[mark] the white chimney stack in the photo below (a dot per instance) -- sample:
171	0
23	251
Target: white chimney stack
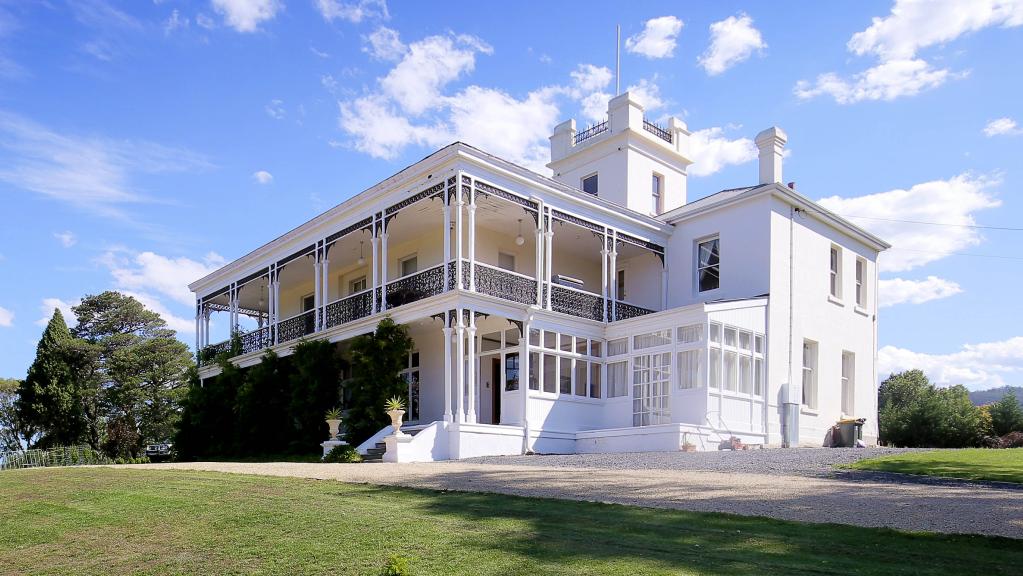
771	143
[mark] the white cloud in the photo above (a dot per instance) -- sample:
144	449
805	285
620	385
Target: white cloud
149	273
318	53
712	151
67	238
384	44
886	81
50	304
658	38
732	41
588	86
898	290
263	177
431	64
896	39
1002	127
647	93
953	201
353	12
275	109
175	22
204	21
247	15
913	25
91	173
976	366
6	317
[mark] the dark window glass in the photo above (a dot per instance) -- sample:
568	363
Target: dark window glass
709	265
511	372
590	184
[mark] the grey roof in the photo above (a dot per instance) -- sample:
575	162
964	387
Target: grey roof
708	200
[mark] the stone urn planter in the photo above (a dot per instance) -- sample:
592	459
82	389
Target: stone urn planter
396	410
333	419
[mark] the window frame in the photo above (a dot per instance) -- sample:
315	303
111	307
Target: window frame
657	193
405	259
810	401
596	183
354	281
848	383
699	267
861	282
835	271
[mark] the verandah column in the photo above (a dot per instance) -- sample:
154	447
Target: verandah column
614	275
471	332
524	381
472	243
539	254
447	247
317	297
603	274
460	375
549	246
325	290
383	268
459	202
375	245
447	368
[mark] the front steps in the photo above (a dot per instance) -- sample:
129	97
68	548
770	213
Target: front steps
376	453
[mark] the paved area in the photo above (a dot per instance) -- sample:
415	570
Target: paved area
818	462
962	508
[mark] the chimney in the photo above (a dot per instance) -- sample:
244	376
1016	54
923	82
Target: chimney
562	140
771	142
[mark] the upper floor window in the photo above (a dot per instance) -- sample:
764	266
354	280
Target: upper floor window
620	287
836	271
357	285
409	265
861	286
809	374
308	302
590	184
506	261
656	205
708	264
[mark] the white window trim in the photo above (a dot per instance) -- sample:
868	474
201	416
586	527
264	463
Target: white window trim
587	177
658	197
835	275
860	284
696	263
406	258
814	381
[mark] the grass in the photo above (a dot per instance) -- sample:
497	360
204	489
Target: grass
116	521
969	464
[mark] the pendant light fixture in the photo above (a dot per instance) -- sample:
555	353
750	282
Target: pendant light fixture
519	240
362	259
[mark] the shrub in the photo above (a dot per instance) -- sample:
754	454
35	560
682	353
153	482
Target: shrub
344	454
397	566
1012	440
913	412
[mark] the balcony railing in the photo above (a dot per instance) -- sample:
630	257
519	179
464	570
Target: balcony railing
296	327
414	287
505	284
591	132
577	302
624	311
662	133
209	354
348	309
259	339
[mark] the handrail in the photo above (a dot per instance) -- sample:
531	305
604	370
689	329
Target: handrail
592	131
580	290
405	277
506	271
352	295
656	130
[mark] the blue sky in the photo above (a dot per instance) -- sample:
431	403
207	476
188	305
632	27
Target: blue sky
145	143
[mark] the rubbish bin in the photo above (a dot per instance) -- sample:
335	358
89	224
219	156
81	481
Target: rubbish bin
849	430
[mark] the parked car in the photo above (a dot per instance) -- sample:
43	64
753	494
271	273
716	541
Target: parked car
159	451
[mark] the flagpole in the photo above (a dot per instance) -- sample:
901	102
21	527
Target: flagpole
618	60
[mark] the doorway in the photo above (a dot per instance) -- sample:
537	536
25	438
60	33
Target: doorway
495	390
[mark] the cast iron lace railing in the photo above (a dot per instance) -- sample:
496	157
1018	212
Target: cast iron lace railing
591	132
348	309
414	287
259	339
209	353
296	327
505	284
577	302
656	130
624	310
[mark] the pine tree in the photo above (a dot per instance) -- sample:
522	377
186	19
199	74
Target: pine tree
50	397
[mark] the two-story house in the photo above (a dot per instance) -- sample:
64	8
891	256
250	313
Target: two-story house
591	311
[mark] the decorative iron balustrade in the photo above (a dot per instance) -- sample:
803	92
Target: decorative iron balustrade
504	284
591	131
209	354
349	309
296	327
414	287
656	130
624	311
577	303
255	340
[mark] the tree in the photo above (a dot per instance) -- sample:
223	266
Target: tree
377	360
315	384
137	366
50	398
263	423
13	436
912	412
1006	415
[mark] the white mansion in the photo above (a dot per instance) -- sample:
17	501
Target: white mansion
595	311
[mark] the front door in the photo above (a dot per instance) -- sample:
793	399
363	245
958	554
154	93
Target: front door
495	388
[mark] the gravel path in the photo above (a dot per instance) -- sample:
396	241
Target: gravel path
975	509
816	462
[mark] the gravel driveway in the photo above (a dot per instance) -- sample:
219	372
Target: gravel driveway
960	508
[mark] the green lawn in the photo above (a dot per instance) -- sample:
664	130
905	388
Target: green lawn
107	521
968	464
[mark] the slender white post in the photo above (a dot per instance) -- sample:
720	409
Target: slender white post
539	263
614	280
447	241
206	327
603	274
460	375
664	288
198	328
549	245
325	291
375	242
458	234
473	379
383	269
524	381
277	301
447	372
317	297
472	243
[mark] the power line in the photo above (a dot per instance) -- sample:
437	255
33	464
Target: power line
977	226
1000	257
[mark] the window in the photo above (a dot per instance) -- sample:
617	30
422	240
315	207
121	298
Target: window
745	374
506	261
582	368
550	369
690	334
511	371
534	370
565	376
708	265
620	285
651	377
731	371
715	368
308	302
411	377
736	360
656	207
690	369
409	265
590	184
617	347
490	342
617	379
659	338
758	376
809	374
357	285
861	287
594	380
836	271
848	382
